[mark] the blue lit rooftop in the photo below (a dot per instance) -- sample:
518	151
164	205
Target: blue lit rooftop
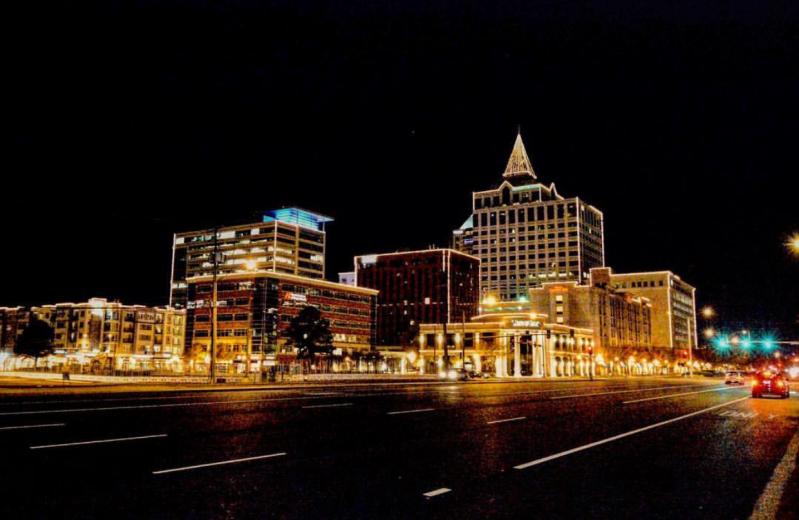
298	217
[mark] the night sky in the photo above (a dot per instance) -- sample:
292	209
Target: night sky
131	120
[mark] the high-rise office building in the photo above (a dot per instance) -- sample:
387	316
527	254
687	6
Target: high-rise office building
429	286
525	233
287	240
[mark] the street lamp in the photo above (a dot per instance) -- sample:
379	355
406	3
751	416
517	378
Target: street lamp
708	312
793	243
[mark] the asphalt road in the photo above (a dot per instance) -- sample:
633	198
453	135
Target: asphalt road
651	448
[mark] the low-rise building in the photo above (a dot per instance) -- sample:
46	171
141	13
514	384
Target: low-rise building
506	339
254	311
9	317
109	334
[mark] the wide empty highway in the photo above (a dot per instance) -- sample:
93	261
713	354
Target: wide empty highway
639	447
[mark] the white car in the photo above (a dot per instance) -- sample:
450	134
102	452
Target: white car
734	377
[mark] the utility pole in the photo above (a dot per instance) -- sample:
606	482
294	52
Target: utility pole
249	348
446	347
463	339
216	261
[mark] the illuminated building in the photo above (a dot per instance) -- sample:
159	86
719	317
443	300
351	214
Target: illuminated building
673	306
287	240
525	233
131	337
255	310
508	339
428	286
621	323
347	278
9	317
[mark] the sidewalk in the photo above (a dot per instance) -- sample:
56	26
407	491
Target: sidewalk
11	386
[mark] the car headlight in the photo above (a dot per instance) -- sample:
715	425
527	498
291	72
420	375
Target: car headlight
452	374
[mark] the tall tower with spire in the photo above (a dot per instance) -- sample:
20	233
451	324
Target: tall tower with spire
525	233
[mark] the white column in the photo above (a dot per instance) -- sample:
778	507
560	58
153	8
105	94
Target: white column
478	365
517	357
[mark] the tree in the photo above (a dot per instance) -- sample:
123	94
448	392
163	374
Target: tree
310	334
35	341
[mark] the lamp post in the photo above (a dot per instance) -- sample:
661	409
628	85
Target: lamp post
217	258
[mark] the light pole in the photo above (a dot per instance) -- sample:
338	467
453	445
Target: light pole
217	258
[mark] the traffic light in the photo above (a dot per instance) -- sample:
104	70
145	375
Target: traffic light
526	342
721	343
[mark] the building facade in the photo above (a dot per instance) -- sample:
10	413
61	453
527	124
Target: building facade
109	334
287	240
673	306
526	234
429	286
507	339
621	323
347	278
255	310
8	327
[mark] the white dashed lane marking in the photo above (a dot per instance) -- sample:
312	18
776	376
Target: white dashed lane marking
436	492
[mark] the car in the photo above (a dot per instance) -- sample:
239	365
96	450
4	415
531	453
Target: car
454	374
769	382
734	377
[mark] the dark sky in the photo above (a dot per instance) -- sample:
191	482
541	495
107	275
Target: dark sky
131	120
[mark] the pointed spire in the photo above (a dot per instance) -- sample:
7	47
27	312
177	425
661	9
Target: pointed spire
519	163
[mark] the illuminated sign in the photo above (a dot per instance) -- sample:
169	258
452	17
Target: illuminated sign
525	324
295	297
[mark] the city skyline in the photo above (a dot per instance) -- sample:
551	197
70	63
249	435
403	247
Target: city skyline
690	177
317	259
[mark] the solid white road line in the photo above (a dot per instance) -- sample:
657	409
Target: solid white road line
768	504
436	492
623	435
411	411
221	463
29	426
102	441
334	405
571	396
669	396
507	420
